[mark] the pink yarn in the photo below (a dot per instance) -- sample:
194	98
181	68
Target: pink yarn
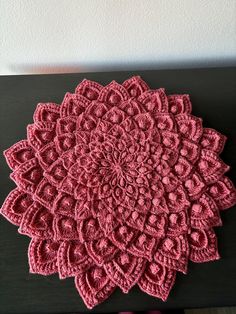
119	185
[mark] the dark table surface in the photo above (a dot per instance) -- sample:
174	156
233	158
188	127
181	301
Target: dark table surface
213	96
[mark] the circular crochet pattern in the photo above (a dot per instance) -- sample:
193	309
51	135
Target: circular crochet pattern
117	186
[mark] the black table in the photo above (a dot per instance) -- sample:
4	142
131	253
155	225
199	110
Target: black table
213	95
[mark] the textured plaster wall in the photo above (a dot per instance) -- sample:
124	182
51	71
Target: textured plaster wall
41	36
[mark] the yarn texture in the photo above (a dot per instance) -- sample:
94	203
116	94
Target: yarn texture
116	186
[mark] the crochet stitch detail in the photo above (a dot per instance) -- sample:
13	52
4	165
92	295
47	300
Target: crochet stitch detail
117	186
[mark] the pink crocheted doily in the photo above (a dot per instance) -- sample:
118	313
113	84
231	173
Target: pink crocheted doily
117	186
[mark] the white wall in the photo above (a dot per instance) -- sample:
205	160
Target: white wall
43	36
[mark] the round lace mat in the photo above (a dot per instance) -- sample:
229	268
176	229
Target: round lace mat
117	186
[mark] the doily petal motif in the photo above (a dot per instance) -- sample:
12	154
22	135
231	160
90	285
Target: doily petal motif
118	185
